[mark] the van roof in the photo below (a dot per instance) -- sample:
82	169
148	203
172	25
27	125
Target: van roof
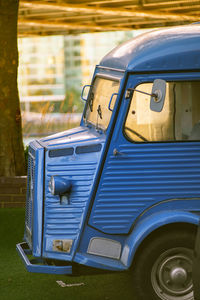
170	49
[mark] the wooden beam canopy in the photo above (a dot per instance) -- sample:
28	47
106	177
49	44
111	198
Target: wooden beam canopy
51	17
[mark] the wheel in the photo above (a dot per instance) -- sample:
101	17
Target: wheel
196	266
163	268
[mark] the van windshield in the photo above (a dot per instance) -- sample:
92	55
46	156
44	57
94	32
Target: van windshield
97	112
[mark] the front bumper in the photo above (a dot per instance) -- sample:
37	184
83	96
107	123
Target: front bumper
37	265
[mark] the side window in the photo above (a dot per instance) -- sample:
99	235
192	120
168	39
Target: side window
187	115
179	119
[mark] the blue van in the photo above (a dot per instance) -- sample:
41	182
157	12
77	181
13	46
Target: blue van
122	191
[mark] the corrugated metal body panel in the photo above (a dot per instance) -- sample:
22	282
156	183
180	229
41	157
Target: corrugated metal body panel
65	220
140	176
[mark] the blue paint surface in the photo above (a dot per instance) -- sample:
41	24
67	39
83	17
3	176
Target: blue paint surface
119	190
175	48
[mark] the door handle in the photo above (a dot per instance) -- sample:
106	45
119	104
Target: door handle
116	152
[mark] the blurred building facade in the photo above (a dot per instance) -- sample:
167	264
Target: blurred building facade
41	67
50	66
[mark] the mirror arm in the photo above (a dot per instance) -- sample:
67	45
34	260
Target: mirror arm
157	94
129	93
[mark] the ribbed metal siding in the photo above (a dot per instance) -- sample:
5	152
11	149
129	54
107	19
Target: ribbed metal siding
30	194
141	176
65	220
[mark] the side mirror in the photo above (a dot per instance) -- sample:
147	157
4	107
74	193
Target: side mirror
158	95
85	92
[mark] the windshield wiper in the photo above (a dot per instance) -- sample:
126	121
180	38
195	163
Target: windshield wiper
91	100
99	111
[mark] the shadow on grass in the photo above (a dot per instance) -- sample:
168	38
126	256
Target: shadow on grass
17	284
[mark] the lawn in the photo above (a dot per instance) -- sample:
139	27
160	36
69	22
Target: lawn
18	284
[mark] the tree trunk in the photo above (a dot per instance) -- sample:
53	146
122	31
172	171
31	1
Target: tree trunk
11	145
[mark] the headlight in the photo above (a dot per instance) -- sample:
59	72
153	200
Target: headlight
59	185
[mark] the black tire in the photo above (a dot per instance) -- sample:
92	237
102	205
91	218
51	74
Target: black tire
163	267
196	266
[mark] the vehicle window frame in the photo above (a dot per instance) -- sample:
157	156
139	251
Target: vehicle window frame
106	77
171	80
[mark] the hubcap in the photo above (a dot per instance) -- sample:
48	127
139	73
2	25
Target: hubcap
171	275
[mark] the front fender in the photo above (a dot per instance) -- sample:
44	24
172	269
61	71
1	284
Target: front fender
150	223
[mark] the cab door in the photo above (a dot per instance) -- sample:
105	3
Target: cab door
151	157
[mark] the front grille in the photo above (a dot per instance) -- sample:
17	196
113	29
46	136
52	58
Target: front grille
65	220
30	194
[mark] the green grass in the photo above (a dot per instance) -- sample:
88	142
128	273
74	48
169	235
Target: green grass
18	284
